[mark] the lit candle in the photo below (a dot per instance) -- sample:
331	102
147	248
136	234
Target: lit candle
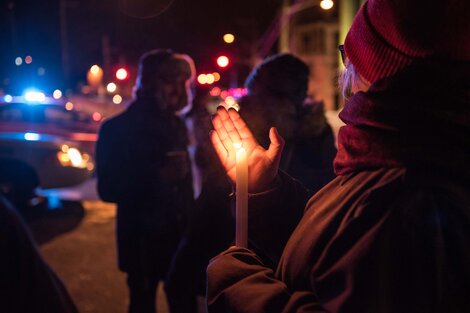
241	215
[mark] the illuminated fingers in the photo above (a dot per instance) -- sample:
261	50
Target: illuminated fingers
228	125
218	146
222	133
243	130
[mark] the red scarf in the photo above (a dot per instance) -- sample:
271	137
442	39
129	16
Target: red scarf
420	119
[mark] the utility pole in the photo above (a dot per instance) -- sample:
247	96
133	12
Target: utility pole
64	41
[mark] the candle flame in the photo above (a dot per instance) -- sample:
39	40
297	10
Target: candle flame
237	145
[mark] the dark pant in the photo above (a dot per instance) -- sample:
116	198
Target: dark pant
142	293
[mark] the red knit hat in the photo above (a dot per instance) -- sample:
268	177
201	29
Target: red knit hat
388	35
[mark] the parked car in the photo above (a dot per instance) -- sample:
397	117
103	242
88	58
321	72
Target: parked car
43	143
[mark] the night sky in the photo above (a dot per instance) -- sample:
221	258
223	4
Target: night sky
33	28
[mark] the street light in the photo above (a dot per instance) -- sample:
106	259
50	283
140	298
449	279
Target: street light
326	4
95	76
289	10
229	38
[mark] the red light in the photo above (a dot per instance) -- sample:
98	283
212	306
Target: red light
224	94
215	91
96	116
121	73
223	61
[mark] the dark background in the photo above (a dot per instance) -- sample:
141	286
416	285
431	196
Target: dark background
93	27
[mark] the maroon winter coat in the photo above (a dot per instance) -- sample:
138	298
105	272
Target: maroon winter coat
390	234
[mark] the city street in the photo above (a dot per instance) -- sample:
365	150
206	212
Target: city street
78	242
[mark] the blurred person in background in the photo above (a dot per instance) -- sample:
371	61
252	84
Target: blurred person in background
277	94
391	232
210	227
277	89
144	167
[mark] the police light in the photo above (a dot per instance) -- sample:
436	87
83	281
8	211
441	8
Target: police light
32	136
34	96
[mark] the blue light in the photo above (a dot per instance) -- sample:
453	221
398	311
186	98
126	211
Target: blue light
54	202
34	96
32	136
8	98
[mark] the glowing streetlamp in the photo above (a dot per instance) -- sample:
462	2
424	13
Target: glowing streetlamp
95	76
229	38
326	4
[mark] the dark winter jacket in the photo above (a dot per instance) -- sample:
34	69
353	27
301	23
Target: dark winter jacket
143	166
390	234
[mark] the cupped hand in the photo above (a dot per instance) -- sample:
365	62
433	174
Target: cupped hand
263	165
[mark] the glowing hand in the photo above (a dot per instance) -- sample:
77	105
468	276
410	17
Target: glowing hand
262	164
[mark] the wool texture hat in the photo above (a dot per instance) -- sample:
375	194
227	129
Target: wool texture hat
386	36
150	64
280	75
161	64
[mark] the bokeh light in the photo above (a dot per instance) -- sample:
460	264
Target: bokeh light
210	78
95	69
326	4
96	116
229	38
18	61
57	94
202	79
111	87
121	73
222	61
117	99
